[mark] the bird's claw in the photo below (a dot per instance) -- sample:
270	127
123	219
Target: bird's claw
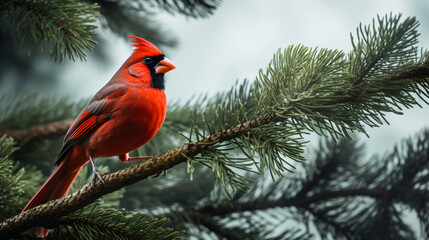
97	175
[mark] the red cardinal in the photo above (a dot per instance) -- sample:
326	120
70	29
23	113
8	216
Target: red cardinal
124	115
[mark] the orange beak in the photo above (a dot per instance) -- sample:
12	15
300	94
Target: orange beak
164	66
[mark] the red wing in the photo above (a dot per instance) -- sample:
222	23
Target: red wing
92	117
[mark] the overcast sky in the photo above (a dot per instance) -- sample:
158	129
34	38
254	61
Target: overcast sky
242	36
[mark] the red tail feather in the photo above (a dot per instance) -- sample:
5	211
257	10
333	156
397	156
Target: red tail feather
57	184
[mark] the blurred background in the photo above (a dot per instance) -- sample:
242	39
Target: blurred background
211	53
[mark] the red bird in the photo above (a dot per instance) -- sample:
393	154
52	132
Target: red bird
124	115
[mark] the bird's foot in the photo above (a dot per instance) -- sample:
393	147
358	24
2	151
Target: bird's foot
97	175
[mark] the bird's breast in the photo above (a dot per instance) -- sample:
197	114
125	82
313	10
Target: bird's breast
136	119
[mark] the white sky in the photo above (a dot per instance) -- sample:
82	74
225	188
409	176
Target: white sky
242	36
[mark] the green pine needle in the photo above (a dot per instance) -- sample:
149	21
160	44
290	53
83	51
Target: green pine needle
17	184
95	222
61	28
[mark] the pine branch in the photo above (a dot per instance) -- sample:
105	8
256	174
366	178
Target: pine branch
297	201
137	18
52	129
17	184
63	33
126	18
22	111
190	8
96	222
371	53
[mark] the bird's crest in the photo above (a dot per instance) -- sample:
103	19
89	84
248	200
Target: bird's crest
144	47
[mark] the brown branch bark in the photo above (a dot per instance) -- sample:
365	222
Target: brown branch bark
415	73
39	132
46	214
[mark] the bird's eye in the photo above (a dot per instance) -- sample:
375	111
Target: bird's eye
147	60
